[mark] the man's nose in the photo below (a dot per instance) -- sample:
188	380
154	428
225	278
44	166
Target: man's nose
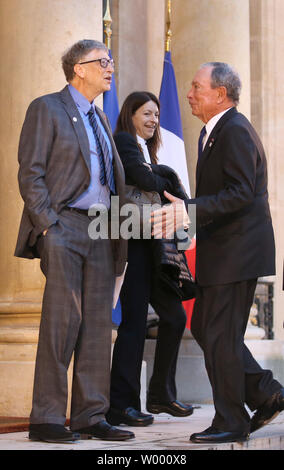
189	94
110	67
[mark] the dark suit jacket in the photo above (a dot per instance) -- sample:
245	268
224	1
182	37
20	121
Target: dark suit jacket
149	177
54	169
235	240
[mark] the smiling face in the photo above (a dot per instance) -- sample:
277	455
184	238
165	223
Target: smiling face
92	79
204	100
146	119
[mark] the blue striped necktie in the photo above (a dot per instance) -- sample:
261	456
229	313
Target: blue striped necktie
105	161
200	141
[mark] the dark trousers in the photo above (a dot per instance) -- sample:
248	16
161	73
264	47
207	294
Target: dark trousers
218	324
76	318
140	289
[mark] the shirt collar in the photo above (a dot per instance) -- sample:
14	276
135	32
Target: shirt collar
80	100
213	121
142	142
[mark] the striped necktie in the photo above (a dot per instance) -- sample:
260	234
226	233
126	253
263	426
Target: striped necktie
106	169
200	141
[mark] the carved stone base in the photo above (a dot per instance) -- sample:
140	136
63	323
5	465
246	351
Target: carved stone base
18	346
191	377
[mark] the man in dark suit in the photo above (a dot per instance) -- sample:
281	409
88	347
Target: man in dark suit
68	163
235	245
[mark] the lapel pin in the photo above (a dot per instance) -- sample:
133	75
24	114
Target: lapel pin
211	142
74	119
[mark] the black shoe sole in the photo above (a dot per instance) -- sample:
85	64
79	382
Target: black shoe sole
164	409
91	436
221	441
265	422
117	422
37	438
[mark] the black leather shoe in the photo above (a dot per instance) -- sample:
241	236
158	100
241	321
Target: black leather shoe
106	432
174	408
48	432
129	416
268	411
213	436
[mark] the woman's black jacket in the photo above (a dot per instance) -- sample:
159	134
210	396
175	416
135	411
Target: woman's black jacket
170	263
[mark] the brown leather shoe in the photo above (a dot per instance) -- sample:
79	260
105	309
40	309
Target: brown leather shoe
268	411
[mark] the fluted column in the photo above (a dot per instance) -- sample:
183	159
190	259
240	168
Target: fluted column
138	45
205	31
267	39
34	34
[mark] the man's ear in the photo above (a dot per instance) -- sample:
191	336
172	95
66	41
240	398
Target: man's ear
222	94
79	70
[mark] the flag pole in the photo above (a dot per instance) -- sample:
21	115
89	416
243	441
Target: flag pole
110	105
111	109
168	23
107	26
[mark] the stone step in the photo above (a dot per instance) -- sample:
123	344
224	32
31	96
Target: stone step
166	435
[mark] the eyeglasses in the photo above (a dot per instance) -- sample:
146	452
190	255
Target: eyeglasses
103	62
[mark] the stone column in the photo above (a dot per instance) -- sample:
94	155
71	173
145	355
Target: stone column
138	45
267	69
205	31
34	34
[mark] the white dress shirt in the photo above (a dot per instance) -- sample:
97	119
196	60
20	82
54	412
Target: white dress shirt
143	144
211	124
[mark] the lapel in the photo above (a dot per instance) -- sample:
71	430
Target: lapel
211	142
77	124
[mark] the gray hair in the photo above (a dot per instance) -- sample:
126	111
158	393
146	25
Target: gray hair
76	53
224	75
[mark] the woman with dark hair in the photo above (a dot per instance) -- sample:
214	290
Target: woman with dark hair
137	138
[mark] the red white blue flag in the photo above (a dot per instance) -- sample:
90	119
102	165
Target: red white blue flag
172	152
111	107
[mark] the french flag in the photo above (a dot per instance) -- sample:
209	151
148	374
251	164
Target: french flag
111	109
172	151
110	105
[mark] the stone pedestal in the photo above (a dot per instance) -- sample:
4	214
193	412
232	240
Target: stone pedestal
192	382
18	346
17	359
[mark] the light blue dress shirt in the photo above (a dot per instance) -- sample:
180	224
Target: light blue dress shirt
96	192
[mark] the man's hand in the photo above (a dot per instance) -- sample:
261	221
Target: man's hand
170	218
